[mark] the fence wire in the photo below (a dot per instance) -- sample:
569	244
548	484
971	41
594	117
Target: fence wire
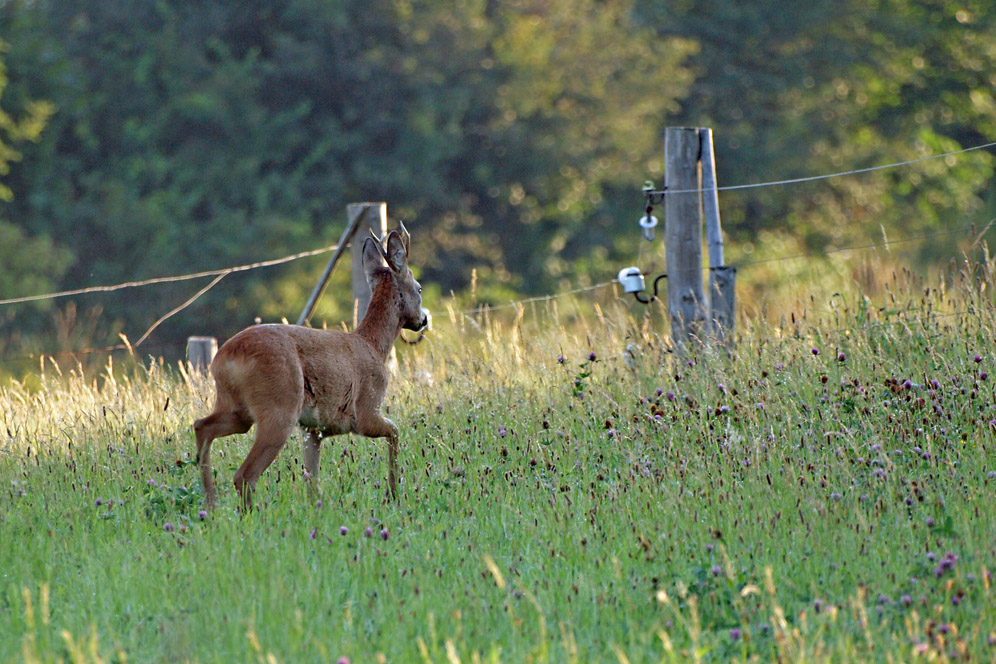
223	272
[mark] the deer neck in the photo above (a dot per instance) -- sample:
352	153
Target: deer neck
381	324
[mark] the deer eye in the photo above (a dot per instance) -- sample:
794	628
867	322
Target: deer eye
419	290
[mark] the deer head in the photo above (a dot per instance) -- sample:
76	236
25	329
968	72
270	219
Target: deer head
387	269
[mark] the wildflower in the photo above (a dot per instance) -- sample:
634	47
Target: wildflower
835	496
934	384
722	388
501	432
977	358
930	522
368	531
841	357
320	503
313	534
815	351
907	384
343	530
342	660
906	600
983	375
818	605
659	391
735	633
168	527
779	366
98	502
561	359
669	396
202	515
716	570
591	356
384	534
709	547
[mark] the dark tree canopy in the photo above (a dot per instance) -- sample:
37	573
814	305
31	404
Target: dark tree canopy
144	139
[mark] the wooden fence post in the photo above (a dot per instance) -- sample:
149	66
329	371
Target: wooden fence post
200	352
376	220
722	278
683	234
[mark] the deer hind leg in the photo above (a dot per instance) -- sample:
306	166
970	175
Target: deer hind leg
271	435
215	425
377	426
312	451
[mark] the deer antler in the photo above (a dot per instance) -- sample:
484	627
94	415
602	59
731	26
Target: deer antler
405	237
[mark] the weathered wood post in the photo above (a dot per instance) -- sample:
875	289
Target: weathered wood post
356	212
200	352
375	219
722	277
683	234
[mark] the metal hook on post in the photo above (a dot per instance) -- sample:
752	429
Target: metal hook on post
655	296
632	282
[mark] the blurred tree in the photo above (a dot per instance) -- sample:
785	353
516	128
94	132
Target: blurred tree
28	264
194	135
794	90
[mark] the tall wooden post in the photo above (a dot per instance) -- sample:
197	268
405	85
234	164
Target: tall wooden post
375	220
683	234
722	278
356	213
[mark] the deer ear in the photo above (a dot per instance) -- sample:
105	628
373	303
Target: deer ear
397	251
373	259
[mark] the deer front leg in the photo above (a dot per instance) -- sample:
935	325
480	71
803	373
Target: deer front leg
312	452
377	426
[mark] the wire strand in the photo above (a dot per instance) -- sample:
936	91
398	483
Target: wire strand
164	280
813	178
876	245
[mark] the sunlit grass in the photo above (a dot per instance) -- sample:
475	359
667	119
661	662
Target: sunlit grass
822	492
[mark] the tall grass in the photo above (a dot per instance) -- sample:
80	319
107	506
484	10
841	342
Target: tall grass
821	492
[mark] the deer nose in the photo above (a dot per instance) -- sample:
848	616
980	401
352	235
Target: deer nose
426	322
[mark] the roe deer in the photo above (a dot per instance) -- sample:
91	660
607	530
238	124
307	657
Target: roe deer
327	381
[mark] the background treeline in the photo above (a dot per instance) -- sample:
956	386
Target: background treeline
142	139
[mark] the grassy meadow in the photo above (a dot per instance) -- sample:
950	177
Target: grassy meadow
823	492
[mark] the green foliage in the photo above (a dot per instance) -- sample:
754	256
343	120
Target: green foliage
797	90
160	138
192	135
